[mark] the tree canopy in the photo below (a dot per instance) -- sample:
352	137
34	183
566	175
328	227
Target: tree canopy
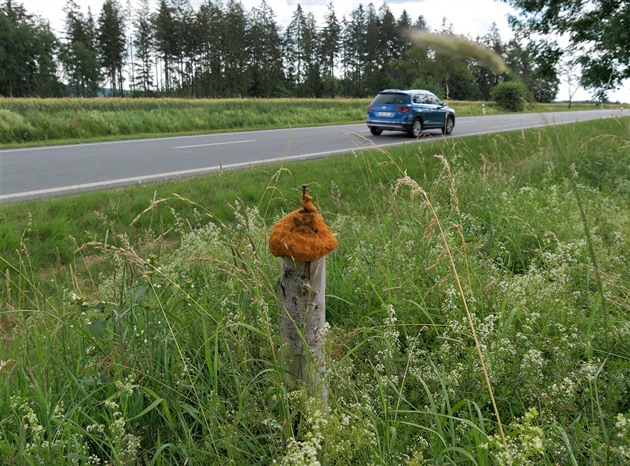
598	32
27	65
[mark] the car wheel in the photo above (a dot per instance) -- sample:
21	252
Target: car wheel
375	131
416	128
449	125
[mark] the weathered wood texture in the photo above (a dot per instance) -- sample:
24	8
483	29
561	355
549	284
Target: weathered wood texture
302	290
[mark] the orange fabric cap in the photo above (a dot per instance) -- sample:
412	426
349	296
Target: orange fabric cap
302	234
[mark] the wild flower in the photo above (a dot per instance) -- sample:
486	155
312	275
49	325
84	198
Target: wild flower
303	452
563	390
126	444
96	428
247	217
391	334
127	386
622	427
8	364
111	404
307	450
42	443
524	442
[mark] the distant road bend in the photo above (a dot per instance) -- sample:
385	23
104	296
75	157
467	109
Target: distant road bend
40	172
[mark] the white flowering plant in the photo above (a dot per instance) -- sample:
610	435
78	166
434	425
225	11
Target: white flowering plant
477	312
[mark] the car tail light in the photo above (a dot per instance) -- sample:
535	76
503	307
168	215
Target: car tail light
403	109
371	107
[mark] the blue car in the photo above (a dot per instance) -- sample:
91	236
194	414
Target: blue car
412	111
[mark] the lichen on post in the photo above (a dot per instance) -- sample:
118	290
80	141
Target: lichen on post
302	239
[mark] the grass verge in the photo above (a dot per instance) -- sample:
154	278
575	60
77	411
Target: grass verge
139	326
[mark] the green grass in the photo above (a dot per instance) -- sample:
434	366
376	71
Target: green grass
56	121
118	342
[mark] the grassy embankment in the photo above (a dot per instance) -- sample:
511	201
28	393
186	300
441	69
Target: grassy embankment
38	121
118	344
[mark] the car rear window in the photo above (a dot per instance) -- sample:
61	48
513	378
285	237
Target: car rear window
390	98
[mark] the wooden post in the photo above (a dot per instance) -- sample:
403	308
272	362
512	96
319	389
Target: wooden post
302	239
302	291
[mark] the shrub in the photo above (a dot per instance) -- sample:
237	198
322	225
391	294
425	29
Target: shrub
14	127
510	96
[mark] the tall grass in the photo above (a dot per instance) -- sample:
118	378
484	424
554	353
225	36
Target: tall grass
29	120
157	343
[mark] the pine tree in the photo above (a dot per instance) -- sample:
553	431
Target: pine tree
185	46
390	36
112	43
209	21
402	70
234	46
329	51
308	45
354	52
293	55
165	42
374	55
79	53
27	48
143	41
264	51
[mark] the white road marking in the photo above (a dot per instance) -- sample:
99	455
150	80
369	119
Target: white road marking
119	181
217	144
123	182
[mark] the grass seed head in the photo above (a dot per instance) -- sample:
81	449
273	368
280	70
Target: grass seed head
456	46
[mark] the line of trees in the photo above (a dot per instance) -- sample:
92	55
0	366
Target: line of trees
222	50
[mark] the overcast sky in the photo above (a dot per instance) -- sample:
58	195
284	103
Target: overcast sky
469	17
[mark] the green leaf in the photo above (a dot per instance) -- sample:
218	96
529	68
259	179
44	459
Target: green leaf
97	327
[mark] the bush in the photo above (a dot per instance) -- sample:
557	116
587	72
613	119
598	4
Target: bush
510	96
14	128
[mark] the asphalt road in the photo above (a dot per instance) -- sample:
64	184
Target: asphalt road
33	173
